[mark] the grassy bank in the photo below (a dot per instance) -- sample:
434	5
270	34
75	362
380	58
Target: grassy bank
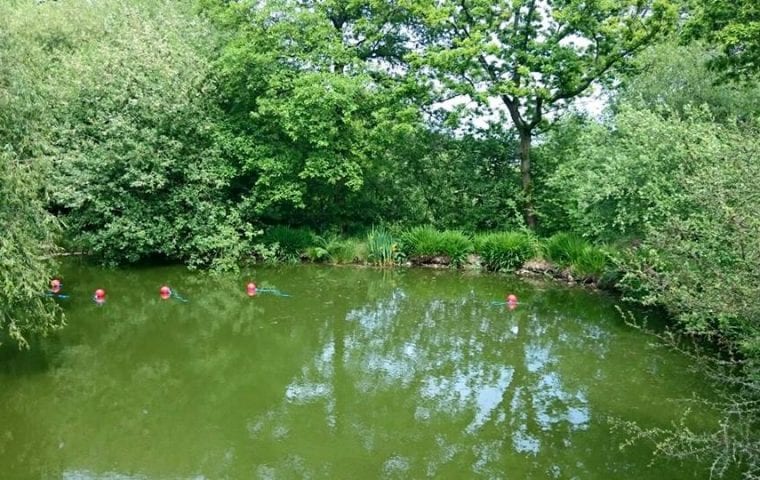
565	256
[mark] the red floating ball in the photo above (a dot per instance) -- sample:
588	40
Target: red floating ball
165	292
100	294
512	299
251	289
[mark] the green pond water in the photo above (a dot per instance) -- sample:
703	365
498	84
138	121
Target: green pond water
360	373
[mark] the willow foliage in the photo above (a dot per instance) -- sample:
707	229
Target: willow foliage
26	242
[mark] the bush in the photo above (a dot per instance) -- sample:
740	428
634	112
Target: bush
291	242
428	242
592	262
317	254
505	250
349	250
334	249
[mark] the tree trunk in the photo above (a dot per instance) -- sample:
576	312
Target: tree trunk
527	181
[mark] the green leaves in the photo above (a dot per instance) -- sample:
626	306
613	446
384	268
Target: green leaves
127	119
311	93
421	243
505	250
734	25
529	51
670	78
26	246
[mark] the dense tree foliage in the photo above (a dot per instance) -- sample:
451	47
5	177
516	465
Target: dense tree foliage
140	171
734	27
317	130
673	78
27	231
26	243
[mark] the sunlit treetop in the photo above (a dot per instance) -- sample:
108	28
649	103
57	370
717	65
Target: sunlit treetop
534	54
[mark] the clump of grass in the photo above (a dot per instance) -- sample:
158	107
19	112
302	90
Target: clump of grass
505	250
382	249
592	262
583	258
564	248
291	243
428	242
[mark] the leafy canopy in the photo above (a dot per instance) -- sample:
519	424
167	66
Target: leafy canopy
531	56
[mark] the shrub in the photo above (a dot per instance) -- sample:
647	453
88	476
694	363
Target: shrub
505	250
426	241
334	249
291	242
267	254
349	250
381	247
317	254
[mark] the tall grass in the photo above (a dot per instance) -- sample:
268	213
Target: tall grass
564	248
428	242
592	262
382	249
583	258
505	250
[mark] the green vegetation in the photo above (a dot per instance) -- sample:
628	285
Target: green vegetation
528	69
289	243
421	243
734	27
505	251
336	250
583	258
565	248
26	244
212	132
382	248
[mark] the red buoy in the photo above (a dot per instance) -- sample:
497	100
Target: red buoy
165	292
55	285
512	300
99	297
250	289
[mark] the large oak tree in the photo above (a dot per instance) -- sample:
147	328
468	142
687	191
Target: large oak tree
518	60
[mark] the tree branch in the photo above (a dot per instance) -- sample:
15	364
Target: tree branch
526	36
586	82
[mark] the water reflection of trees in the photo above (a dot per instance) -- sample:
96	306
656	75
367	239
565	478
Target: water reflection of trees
432	385
360	374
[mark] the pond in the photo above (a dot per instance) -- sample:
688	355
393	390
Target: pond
359	373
